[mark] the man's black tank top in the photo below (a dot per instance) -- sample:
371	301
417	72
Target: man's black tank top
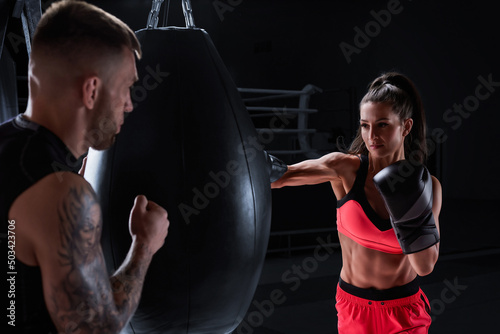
28	153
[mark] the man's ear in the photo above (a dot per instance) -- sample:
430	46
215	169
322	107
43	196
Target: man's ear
90	90
408	124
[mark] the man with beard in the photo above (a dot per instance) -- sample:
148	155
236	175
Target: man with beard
81	69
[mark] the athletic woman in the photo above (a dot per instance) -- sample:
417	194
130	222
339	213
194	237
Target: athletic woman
387	211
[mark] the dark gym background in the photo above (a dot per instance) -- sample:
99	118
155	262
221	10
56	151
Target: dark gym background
450	49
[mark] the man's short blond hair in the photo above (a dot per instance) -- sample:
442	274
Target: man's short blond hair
79	32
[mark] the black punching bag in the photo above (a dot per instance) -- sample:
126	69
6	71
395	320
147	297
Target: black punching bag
190	146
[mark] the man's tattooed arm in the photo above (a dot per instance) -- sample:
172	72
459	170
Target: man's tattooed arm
85	299
130	277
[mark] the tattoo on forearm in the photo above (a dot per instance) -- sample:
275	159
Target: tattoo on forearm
126	280
86	301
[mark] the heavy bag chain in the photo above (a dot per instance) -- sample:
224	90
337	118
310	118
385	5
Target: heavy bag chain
155	11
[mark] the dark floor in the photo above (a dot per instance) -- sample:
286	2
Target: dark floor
463	292
296	293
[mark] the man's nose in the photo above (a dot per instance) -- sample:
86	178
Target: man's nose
128	104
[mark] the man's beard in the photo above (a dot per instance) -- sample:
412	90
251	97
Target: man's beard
102	133
106	143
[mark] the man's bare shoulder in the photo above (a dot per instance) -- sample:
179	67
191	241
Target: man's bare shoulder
45	208
51	189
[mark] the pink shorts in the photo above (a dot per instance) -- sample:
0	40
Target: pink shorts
398	310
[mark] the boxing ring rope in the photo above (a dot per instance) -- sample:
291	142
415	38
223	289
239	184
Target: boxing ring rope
289	233
302	132
303	111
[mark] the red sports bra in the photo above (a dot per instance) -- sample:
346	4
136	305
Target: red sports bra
357	220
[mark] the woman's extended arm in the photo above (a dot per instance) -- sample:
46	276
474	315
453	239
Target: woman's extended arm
315	171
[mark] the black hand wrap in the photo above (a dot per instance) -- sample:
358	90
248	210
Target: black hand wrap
407	192
275	166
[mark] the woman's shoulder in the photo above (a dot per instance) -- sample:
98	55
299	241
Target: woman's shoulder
342	162
437	196
436	185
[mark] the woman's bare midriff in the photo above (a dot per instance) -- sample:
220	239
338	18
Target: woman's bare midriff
364	267
368	268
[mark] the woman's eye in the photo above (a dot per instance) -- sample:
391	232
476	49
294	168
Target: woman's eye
364	125
382	125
